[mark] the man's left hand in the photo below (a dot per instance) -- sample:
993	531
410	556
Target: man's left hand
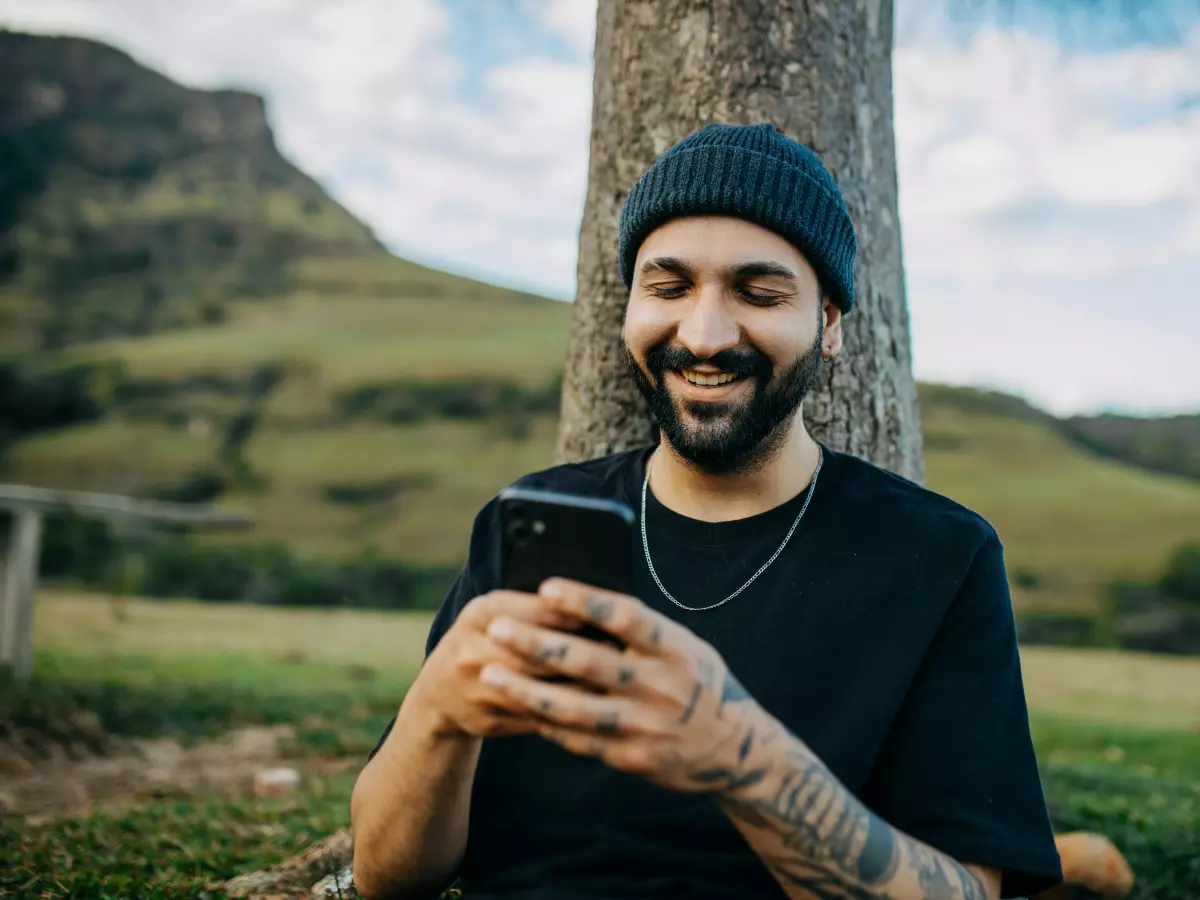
666	708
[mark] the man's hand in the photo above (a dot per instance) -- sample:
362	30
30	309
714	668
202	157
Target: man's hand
449	686
667	708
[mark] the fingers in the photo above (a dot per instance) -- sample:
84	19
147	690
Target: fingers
626	617
570	707
577	658
515	604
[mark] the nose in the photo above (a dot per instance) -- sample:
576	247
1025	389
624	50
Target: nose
707	328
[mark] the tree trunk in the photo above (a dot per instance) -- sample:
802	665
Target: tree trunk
821	72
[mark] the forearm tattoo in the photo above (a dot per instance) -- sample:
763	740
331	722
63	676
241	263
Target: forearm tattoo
815	836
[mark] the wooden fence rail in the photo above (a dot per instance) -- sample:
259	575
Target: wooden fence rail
21	511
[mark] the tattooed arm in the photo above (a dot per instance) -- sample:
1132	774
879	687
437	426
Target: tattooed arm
816	838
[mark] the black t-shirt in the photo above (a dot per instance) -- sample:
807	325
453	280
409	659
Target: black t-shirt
882	636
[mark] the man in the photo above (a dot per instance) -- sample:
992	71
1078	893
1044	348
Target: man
820	694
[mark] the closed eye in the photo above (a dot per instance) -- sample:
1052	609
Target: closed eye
760	299
668	292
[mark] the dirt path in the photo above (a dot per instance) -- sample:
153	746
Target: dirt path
139	771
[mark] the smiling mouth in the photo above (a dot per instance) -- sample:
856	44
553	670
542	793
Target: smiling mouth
706	379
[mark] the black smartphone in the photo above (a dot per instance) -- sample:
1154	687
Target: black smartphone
544	534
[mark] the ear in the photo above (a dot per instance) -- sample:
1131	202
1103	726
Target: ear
831	343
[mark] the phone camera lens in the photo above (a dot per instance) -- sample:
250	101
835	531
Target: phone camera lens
519	530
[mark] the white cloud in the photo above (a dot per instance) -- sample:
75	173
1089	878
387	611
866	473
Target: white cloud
1008	121
1040	191
1051	212
574	20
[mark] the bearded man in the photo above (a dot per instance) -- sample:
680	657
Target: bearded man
820	693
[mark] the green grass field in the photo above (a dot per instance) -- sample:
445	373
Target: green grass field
259	645
1073	520
1118	736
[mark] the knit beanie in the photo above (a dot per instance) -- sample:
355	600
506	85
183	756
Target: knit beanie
750	172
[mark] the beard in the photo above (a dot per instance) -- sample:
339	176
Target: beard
738	436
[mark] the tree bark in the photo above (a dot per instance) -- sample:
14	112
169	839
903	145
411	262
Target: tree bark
821	72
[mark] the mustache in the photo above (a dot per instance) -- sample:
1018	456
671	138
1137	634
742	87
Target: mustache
738	362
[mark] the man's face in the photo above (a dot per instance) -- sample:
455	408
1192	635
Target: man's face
723	334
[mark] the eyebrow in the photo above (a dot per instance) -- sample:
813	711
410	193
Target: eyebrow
762	269
672	264
740	272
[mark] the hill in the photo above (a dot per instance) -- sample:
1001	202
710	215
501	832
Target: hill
1169	444
130	204
390	421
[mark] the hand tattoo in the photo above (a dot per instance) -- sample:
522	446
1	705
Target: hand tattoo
598	610
732	691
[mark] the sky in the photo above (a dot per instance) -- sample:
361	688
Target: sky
1049	164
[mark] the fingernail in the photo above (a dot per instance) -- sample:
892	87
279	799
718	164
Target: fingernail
501	629
492	674
551	587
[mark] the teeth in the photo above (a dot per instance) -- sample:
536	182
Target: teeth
707	380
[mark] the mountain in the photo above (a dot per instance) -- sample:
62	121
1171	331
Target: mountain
131	204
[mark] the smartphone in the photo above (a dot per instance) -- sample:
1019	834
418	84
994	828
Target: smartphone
545	534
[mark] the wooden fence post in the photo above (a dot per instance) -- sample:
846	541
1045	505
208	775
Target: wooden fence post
17	588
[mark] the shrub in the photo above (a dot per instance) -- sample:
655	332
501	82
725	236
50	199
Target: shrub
36	399
77	548
1059	629
88	553
1181	580
1027	579
470	399
202	486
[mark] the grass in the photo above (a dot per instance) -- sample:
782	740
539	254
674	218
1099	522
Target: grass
1114	686
1075	520
168	849
193	670
259	645
347	339
299	648
1072	519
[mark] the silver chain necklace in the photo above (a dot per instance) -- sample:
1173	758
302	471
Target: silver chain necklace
649	562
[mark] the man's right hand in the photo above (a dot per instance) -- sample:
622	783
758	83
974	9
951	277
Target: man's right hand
448	688
411	804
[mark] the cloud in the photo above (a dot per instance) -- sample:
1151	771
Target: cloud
573	20
1008	123
1050	200
497	188
1050	205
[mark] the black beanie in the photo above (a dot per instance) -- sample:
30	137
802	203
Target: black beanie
750	172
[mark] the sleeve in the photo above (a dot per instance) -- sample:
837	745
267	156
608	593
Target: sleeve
957	770
478	576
